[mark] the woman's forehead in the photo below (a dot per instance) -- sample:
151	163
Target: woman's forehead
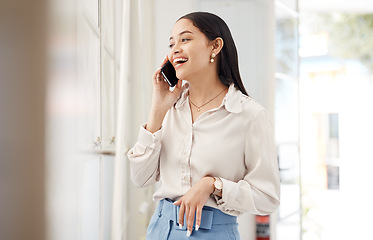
184	26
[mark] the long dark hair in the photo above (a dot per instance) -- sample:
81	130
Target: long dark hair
213	27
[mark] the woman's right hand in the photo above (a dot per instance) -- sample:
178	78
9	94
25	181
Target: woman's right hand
162	100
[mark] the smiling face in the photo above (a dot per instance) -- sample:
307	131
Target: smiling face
190	51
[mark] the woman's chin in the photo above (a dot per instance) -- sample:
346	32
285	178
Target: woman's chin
181	76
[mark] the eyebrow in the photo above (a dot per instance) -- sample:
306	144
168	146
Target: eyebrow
183	32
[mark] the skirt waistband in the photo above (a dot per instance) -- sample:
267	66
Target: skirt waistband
210	216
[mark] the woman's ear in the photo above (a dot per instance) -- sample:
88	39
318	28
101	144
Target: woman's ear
217	45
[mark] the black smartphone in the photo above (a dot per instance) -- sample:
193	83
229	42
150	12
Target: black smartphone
169	74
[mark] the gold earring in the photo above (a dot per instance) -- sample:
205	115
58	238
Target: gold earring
212	57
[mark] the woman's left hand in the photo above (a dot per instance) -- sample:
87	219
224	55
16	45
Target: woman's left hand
193	201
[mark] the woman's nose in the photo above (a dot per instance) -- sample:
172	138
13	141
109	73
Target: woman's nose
176	48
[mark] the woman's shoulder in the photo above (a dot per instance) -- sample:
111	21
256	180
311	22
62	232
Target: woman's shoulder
250	106
242	104
252	112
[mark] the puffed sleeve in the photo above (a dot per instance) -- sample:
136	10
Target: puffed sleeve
144	158
259	191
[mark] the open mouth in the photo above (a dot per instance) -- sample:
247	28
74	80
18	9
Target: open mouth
179	61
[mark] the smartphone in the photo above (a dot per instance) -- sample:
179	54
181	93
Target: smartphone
169	74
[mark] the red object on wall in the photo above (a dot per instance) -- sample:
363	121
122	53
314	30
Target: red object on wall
262	227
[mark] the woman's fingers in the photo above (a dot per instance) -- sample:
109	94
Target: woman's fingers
198	217
160	76
190	212
157	76
177	203
162	64
181	215
187	209
191	204
164	60
190	220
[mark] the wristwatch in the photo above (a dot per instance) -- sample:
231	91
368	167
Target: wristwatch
218	185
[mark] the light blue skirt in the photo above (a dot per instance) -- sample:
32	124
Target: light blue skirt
214	224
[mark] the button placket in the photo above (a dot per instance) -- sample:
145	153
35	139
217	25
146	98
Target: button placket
185	164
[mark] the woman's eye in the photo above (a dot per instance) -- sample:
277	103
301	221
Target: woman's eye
182	40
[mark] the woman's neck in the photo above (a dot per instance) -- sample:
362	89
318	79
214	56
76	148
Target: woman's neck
202	90
204	87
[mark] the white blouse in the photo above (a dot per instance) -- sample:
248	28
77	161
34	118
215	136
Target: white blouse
233	142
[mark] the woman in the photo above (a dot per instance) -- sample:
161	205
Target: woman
207	141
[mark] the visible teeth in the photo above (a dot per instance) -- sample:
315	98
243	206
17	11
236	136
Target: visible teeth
176	60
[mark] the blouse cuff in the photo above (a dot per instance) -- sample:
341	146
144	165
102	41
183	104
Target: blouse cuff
228	190
147	138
